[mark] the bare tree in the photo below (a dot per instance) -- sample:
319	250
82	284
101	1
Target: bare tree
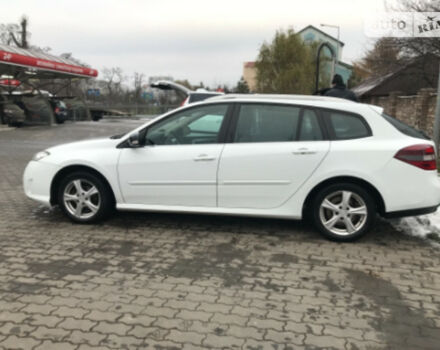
113	78
138	80
411	47
15	34
384	57
390	53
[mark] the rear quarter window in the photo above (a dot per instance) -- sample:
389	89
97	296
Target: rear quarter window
346	126
405	128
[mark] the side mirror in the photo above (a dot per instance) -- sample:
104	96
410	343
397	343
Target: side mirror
133	140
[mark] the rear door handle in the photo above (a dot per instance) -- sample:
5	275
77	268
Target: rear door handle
203	158
303	151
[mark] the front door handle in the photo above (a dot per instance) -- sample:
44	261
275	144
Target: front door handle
303	151
203	158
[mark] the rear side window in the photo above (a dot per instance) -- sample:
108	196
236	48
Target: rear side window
347	126
309	129
267	123
405	128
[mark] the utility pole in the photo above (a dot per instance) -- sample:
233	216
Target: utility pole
336	58
318	55
437	117
24	42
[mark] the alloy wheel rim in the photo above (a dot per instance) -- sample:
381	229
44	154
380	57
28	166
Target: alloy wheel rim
343	213
81	199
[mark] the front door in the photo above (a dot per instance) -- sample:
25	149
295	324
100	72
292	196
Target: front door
178	164
275	149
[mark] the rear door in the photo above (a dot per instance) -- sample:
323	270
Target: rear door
274	150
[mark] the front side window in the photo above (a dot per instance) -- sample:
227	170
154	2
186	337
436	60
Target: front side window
267	123
347	126
200	125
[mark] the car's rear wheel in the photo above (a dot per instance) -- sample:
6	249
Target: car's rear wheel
343	212
84	197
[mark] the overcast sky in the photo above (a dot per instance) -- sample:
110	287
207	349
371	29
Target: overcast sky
193	39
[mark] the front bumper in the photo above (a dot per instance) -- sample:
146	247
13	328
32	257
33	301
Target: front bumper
37	179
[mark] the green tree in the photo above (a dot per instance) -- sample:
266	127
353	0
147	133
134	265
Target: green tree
241	87
286	65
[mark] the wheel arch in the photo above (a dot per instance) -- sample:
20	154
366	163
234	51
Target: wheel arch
69	169
377	197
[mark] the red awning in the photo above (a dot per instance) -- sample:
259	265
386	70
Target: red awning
50	66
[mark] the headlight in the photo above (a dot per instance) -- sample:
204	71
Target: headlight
40	155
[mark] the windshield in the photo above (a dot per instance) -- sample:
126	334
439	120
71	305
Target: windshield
405	128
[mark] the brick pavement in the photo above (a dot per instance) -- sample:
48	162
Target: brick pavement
168	281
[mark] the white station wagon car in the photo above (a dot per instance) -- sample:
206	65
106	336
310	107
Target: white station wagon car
337	162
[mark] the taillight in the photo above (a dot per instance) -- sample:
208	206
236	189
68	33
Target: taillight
421	156
57	110
184	101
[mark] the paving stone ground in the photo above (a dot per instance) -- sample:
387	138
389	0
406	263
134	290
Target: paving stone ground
168	281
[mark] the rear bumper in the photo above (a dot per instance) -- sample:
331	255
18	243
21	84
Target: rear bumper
14	119
411	212
407	188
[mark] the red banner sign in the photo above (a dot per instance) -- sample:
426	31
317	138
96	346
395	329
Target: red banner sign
35	62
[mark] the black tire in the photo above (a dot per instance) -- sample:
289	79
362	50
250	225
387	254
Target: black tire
104	193
358	200
15	124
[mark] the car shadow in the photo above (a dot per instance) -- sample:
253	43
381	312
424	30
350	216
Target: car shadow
382	233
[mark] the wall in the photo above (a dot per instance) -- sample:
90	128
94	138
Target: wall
250	75
415	110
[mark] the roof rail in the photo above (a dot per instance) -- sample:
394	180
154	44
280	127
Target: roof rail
279	97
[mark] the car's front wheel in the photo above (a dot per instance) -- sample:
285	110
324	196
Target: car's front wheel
84	197
343	212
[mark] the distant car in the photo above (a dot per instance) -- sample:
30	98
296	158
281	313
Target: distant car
190	96
35	109
12	114
59	110
334	161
